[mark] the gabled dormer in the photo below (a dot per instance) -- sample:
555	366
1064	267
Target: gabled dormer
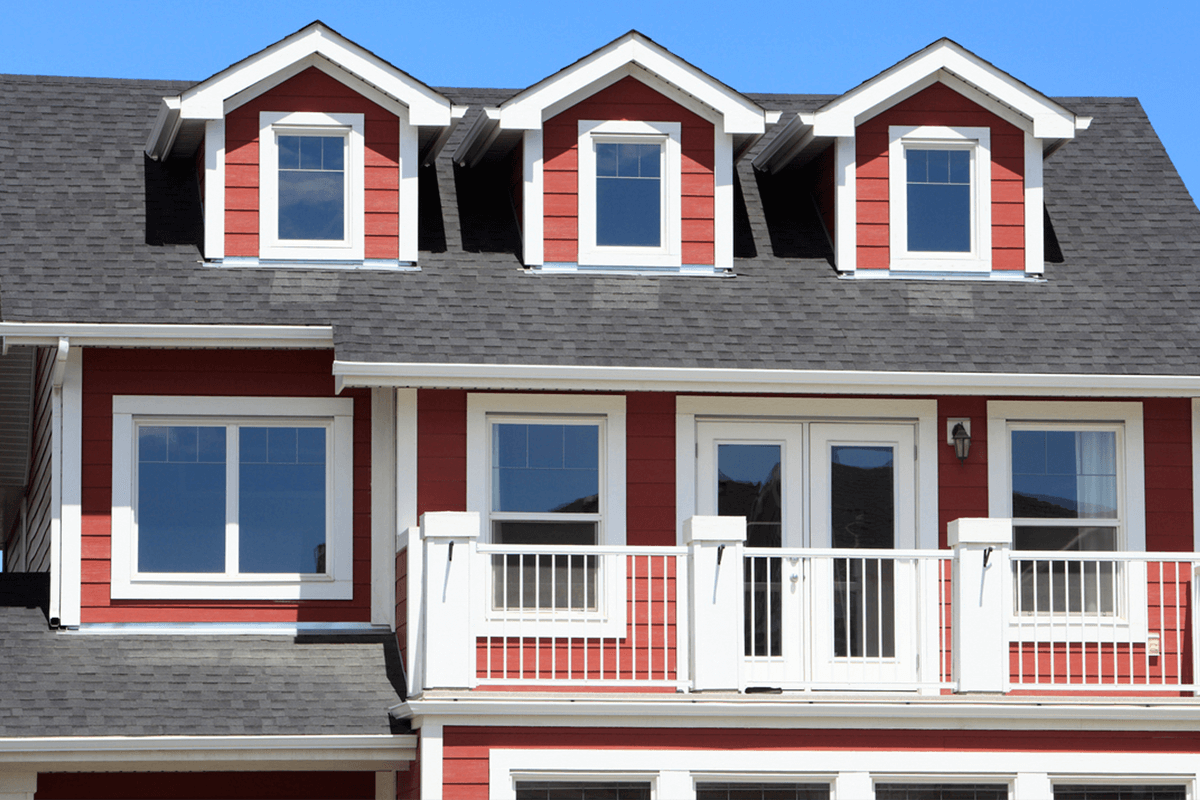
625	161
936	167
308	153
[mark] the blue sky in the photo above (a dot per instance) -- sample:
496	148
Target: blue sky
1067	47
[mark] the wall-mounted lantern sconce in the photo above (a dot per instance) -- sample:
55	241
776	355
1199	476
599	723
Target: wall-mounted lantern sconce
958	435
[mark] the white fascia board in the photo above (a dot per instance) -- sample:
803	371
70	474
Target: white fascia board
796	135
435	147
334	752
524	112
206	100
166	128
479	138
687	379
742	711
46	334
1050	120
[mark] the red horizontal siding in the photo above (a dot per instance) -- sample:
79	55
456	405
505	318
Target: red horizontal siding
441	450
627	99
205	785
208	373
312	90
941	105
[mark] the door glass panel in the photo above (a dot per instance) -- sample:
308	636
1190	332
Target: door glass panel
748	485
863	515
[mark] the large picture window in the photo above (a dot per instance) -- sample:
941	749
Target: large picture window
231	497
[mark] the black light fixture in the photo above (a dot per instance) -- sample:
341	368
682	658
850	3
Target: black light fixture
962	442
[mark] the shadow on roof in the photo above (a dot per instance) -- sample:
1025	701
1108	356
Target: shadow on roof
172	196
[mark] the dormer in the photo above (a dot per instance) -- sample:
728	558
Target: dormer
308	154
625	161
936	168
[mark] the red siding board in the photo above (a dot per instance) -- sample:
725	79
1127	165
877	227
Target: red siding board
941	105
311	90
628	99
216	373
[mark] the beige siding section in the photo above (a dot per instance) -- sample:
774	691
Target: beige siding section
29	543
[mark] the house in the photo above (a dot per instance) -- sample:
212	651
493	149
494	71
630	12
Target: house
621	436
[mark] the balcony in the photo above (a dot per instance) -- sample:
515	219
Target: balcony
717	616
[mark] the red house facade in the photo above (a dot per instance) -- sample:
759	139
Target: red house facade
623	436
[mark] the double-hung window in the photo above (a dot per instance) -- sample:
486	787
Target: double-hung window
629	193
311	179
939	182
241	498
1070	477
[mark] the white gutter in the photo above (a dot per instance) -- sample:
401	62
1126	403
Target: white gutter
337	752
758	381
749	711
122	335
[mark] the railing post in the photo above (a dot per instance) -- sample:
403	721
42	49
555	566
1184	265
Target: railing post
715	583
449	649
979	634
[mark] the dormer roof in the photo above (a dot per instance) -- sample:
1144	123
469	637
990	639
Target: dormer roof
181	118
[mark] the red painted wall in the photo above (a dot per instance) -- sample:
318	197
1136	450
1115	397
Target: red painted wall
466	749
940	105
441	450
206	785
313	90
294	373
650	468
627	99
1167	428
962	488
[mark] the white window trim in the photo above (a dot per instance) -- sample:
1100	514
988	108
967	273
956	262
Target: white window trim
550	408
670	252
1003	415
351	126
336	584
978	142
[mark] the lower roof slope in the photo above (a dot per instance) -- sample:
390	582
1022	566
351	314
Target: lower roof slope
71	684
95	232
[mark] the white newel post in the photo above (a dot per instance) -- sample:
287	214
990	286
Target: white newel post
715	580
980	629
449	544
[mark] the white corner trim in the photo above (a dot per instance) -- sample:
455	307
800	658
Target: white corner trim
47	334
214	189
977	141
533	179
335	414
406	459
410	166
1133	474
384	487
431	764
722	198
846	209
613	454
1035	244
525	110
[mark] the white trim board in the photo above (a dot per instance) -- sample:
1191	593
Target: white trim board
47	334
756	381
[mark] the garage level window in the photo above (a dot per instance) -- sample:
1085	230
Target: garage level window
253	503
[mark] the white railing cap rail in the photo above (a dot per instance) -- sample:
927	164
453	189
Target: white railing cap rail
1098	555
832	552
579	550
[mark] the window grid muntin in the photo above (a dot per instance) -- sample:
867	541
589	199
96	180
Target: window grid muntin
232	426
938	145
340	169
643	143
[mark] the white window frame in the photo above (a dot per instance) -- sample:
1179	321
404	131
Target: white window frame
608	618
977	141
273	124
669	253
335	414
1126	418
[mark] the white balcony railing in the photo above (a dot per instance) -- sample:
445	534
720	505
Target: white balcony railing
717	616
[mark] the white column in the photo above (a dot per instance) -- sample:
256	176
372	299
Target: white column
383	507
853	786
715	582
980	629
676	784
17	784
1032	786
385	786
431	761
449	544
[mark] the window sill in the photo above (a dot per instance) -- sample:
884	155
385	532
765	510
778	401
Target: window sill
214	587
572	268
381	264
910	275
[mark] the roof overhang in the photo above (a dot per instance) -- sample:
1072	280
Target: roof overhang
314	45
53	334
756	381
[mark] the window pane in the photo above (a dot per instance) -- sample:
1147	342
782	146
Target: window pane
862	502
628	194
1048	585
945	791
1100	792
762	791
311	187
1064	474
748	485
546	468
939	200
281	500
181	499
564	790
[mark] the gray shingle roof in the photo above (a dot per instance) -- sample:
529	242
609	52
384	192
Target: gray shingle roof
71	684
77	245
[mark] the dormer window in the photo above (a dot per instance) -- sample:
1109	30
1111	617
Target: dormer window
629	203
311	174
940	199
